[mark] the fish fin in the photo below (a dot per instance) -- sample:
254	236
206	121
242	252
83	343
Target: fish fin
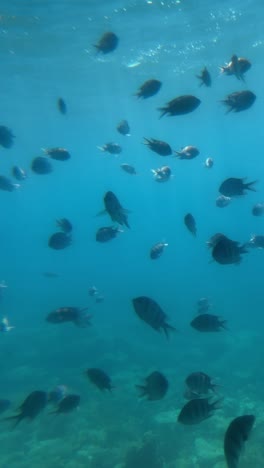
163	111
142	390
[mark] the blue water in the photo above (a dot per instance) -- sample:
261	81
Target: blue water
46	50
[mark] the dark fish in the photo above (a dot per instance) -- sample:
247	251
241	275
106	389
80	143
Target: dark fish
18	173
69	314
116	212
59	241
236	435
234	187
190	223
31	407
6	137
237	66
107	42
4	405
99	378
205	77
112	148
188	152
41	165
62	107
162	174
123	128
197	410
208	323
256	241
148	89
158	146
128	168
258	209
157	250
199	383
64	224
59	154
214	239
7	185
239	101
67	404
180	105
150	312
226	251
105	234
155	388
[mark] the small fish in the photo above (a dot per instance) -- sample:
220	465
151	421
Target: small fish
19	173
203	305
67	404
64	224
4	405
57	394
6	137
128	168
59	154
7	185
237	66
93	291
239	101
236	436
155	388
209	162
258	209
115	210
123	128
160	147
99	299
41	165
226	251
69	314
150	312
162	174
256	241
34	403
105	234
62	106
112	148
107	43
200	383
222	201
59	241
148	89
188	152
197	410
205	77
208	323
99	378
214	239
157	250
5	326
190	223
234	187
180	105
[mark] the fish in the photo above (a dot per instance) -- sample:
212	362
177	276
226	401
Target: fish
155	387
6	137
65	225
234	187
59	241
148	89
105	234
157	250
62	106
74	315
258	209
226	251
209	162
222	201
203	305
237	66
115	210
190	223
180	105
19	173
213	240
150	312
4	405
236	436
67	404
239	101
7	185
128	168
57	394
99	378
123	128
160	147
205	77
33	404
199	383
208	323
41	165
256	241
197	410
162	174
188	152
108	42
5	326
112	148
59	154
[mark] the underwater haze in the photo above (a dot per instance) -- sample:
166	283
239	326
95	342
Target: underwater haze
53	50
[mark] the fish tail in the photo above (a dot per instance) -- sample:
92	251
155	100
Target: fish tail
223	324
163	111
146	142
168	328
248	186
142	390
217	404
16	418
